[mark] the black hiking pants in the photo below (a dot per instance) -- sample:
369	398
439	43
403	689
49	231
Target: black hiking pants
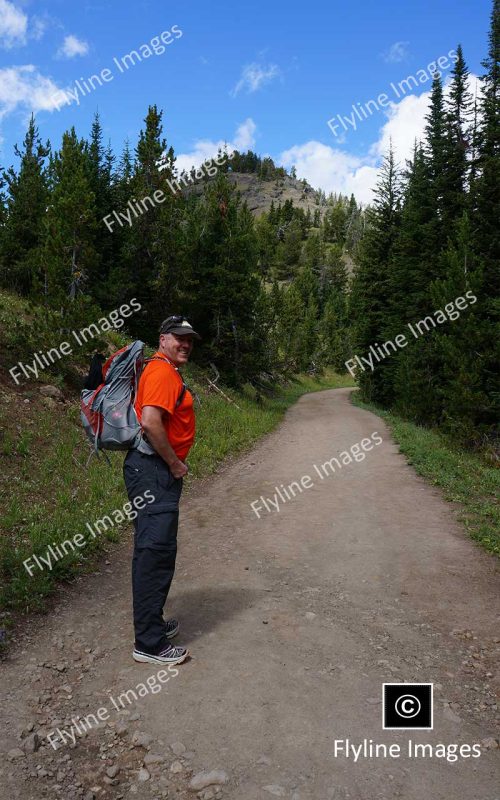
155	543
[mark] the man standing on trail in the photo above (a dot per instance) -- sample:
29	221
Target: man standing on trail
164	406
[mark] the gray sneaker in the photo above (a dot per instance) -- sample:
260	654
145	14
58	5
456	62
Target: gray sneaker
168	655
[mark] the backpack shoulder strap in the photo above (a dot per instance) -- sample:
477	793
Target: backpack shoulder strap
181	396
166	361
159	358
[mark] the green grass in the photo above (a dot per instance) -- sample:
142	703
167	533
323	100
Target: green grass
464	477
48	493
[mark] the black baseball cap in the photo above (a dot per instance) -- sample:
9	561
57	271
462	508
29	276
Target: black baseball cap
179	325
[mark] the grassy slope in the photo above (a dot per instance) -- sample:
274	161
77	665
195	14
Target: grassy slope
465	478
48	493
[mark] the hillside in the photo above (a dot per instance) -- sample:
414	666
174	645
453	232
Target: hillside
259	194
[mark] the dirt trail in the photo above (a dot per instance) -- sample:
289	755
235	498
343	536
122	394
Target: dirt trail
294	621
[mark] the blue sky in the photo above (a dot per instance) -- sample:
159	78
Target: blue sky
266	75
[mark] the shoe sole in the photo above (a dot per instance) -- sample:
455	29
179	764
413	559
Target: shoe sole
146	658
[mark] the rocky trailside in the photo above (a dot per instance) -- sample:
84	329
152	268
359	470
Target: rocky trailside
108	761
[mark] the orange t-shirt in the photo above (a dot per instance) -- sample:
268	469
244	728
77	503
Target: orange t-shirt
160	385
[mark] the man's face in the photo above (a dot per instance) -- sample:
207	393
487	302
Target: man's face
176	348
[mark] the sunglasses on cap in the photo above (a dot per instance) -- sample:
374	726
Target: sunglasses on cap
176	319
179	325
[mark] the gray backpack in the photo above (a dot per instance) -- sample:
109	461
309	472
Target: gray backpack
107	403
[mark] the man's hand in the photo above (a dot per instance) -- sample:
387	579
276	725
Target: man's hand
178	469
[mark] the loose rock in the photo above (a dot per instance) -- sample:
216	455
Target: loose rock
32	743
217	777
141	739
121	728
153	758
51	391
207	794
113	771
143	775
275	789
490	743
27	730
15	753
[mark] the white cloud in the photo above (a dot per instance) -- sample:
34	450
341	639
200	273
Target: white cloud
254	76
205	148
244	139
396	53
38	26
13	25
72	46
332	169
336	170
406	122
25	88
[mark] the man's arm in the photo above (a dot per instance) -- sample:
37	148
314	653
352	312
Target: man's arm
152	424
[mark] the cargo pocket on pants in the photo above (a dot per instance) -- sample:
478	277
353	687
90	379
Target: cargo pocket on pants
157	526
164	477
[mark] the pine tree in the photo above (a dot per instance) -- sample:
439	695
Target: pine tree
306	343
334	323
70	257
486	227
416	371
3	200
26	206
221	277
488	232
465	405
354	228
457	143
334	224
3	218
153	241
273	220
100	176
289	332
435	149
313	251
121	277
288	250
415	249
265	319
267	241
333	339
370	297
